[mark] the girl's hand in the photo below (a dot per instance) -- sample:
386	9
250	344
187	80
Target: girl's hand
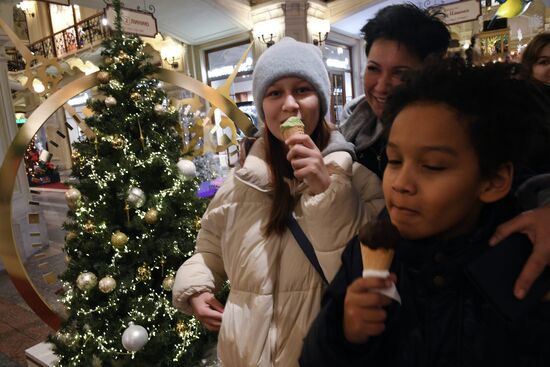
364	314
207	309
307	162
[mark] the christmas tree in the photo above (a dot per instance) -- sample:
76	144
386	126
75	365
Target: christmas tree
133	219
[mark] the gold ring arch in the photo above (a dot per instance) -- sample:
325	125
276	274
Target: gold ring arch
8	172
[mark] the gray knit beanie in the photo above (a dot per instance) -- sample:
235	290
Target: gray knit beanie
288	58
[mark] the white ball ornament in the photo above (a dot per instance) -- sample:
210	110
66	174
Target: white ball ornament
134	337
136	197
159	109
86	281
107	284
110	101
186	168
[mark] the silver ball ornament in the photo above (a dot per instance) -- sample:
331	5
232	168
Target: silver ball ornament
136	197
72	196
86	281
186	168
110	101
134	337
107	284
168	283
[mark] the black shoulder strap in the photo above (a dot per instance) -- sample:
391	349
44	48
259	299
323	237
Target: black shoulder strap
306	246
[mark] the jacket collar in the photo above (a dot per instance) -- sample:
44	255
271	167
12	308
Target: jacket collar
255	171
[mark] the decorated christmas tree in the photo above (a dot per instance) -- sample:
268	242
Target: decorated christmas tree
133	219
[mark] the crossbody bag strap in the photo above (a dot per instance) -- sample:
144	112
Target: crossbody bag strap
306	246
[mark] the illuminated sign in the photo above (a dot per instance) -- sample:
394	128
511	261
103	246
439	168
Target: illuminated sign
134	21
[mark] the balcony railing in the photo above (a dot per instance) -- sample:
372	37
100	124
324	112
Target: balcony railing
83	34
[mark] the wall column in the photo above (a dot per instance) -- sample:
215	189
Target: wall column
8	130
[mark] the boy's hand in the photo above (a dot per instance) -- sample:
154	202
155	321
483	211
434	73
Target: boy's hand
207	309
536	225
364	315
307	162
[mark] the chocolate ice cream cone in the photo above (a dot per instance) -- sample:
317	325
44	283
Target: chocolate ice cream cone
378	242
376	259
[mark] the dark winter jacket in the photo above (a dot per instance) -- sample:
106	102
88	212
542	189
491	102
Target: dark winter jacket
457	310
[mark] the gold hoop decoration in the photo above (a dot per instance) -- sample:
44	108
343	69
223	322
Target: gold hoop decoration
211	95
8	249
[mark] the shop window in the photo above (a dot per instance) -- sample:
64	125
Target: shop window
338	62
494	45
221	62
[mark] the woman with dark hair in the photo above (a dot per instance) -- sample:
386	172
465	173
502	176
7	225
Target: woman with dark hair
245	236
536	60
398	39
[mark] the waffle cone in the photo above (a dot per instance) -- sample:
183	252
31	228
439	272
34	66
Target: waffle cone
376	259
287	133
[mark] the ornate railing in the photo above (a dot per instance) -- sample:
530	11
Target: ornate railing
83	34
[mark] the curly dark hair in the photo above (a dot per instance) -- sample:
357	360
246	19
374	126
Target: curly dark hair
421	31
505	120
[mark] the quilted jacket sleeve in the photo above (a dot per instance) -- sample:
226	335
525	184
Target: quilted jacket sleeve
204	271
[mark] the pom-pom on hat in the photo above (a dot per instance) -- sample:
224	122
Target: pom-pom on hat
290	58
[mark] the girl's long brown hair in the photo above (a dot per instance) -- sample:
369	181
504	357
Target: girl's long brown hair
280	168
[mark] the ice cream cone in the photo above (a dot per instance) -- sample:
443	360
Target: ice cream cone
376	259
287	133
293	125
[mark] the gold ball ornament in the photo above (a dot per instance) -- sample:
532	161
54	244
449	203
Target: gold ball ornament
119	240
135	96
168	283
86	281
117	142
107	284
89	227
152	216
123	56
72	196
197	223
144	272
181	328
108	60
70	236
110	101
75	155
103	77
159	109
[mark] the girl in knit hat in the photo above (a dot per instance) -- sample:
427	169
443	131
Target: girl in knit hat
245	236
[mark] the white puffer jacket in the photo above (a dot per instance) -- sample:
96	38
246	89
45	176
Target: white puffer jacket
275	291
